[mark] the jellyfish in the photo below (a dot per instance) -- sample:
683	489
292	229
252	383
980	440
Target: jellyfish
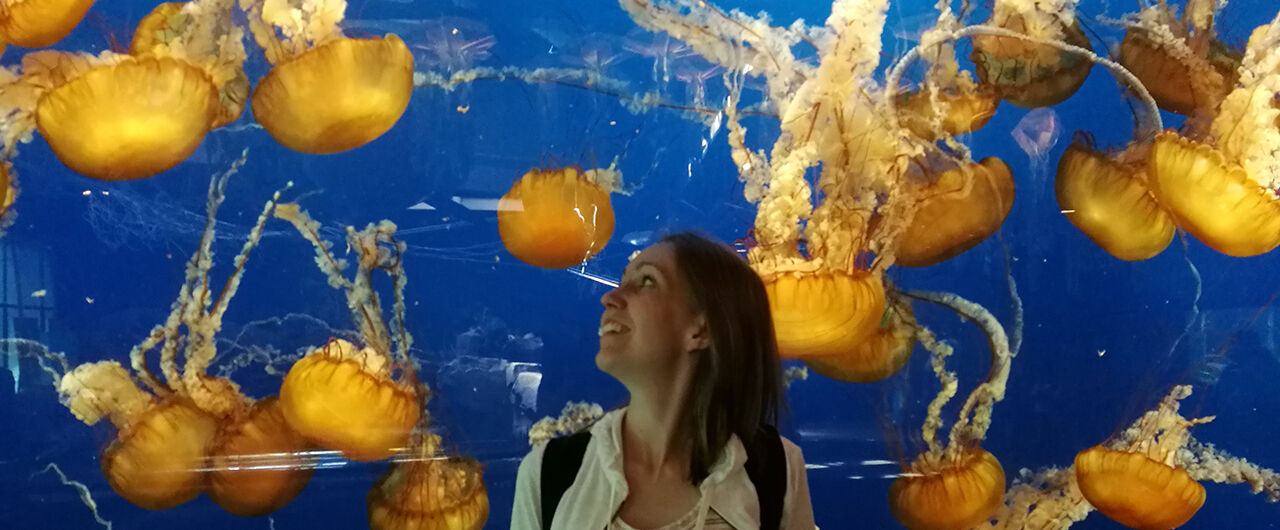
8	190
960	209
123	117
1136	480
1182	63
949	102
429	491
956	485
1108	200
170	432
1037	133
1031	74
558	218
881	355
361	400
325	93
455	44
826	313
39	23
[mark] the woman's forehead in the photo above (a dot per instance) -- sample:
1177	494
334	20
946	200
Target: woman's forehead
659	255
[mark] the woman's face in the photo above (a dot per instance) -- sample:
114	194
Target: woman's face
648	327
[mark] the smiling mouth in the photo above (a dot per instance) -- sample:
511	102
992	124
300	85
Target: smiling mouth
610	327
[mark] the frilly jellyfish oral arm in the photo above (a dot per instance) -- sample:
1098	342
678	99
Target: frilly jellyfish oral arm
975	416
302	24
1152	121
86	496
1245	126
1205	462
939	351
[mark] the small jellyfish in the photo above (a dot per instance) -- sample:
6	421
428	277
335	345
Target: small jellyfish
824	314
557	218
429	491
325	93
661	47
695	76
39	23
1036	133
1109	202
1028	74
1213	198
454	44
948	495
166	17
962	208
344	398
594	53
881	355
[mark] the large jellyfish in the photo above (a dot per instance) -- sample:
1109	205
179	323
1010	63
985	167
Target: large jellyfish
192	433
1108	200
326	93
558	218
1219	184
123	117
1032	74
1179	59
429	491
958	210
39	23
361	400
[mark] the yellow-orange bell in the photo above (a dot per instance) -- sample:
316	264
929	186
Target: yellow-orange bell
949	495
7	190
39	23
1136	491
148	33
259	463
824	314
431	494
130	120
1028	74
959	210
1170	80
1109	202
879	356
337	403
967	111
338	96
555	218
158	462
1213	199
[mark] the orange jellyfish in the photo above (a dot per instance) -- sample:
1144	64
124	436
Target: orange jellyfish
824	314
881	355
169	434
39	23
1135	481
326	93
429	491
956	485
123	117
960	209
558	218
362	401
8	191
967	110
1109	202
1030	74
1180	61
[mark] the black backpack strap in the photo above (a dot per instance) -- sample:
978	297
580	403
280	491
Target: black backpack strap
767	468
560	463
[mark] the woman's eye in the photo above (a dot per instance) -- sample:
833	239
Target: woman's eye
646	281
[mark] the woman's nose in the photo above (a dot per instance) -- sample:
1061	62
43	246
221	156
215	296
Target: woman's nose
612	299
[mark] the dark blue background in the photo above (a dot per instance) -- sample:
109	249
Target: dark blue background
470	300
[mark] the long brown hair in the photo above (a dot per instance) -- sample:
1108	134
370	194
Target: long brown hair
737	385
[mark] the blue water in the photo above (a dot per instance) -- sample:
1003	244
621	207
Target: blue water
1100	334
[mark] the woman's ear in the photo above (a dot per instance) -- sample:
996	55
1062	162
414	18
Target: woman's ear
699	337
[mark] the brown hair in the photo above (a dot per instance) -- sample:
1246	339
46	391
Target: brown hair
737	385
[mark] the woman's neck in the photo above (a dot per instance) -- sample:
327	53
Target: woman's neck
654	435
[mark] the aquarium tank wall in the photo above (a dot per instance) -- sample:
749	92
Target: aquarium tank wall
323	264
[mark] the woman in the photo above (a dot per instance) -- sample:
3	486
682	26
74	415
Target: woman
688	333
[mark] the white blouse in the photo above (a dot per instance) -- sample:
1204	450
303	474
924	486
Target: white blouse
599	488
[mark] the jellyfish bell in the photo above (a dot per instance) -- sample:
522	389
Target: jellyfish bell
8	192
881	355
258	462
1179	84
939	494
1136	491
343	398
39	23
1109	202
557	218
429	492
1212	198
337	96
164	17
962	208
824	313
966	111
1029	74
128	120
